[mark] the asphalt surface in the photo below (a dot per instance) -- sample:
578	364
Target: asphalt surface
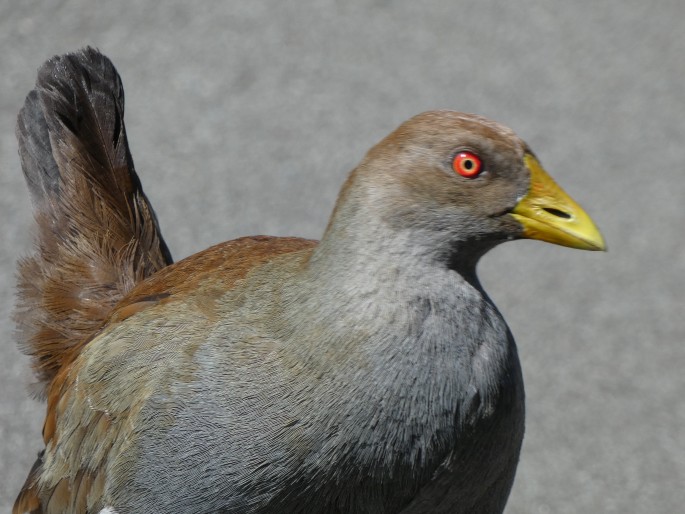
244	118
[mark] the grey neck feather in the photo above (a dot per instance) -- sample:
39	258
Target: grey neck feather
423	346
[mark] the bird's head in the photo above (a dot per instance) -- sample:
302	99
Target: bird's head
463	183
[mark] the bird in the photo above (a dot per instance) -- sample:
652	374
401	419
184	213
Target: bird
367	372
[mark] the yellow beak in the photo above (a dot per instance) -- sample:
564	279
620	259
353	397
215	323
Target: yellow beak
547	213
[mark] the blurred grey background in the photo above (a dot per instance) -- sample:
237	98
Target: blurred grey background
245	117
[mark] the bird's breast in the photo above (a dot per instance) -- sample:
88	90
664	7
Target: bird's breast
357	397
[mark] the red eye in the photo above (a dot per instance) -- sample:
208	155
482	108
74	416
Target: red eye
467	164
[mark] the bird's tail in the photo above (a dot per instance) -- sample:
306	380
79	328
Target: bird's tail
97	235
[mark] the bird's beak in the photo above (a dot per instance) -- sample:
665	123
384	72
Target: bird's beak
547	213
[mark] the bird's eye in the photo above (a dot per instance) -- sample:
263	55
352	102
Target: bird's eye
467	164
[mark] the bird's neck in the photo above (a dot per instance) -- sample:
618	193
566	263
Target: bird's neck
370	232
420	344
387	298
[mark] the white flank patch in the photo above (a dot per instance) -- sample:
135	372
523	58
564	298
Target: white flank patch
108	510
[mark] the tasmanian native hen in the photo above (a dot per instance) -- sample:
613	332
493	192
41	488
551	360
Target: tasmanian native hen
365	373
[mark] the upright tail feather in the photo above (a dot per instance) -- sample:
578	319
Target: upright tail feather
97	235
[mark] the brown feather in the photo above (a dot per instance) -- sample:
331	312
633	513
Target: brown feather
27	501
218	267
97	234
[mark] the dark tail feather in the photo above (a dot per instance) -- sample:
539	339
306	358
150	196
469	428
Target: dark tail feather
97	233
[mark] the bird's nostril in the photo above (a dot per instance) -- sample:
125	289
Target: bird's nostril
557	213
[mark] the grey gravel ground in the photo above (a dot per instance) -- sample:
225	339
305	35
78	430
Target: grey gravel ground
244	118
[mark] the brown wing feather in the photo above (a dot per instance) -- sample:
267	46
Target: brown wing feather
72	478
97	235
